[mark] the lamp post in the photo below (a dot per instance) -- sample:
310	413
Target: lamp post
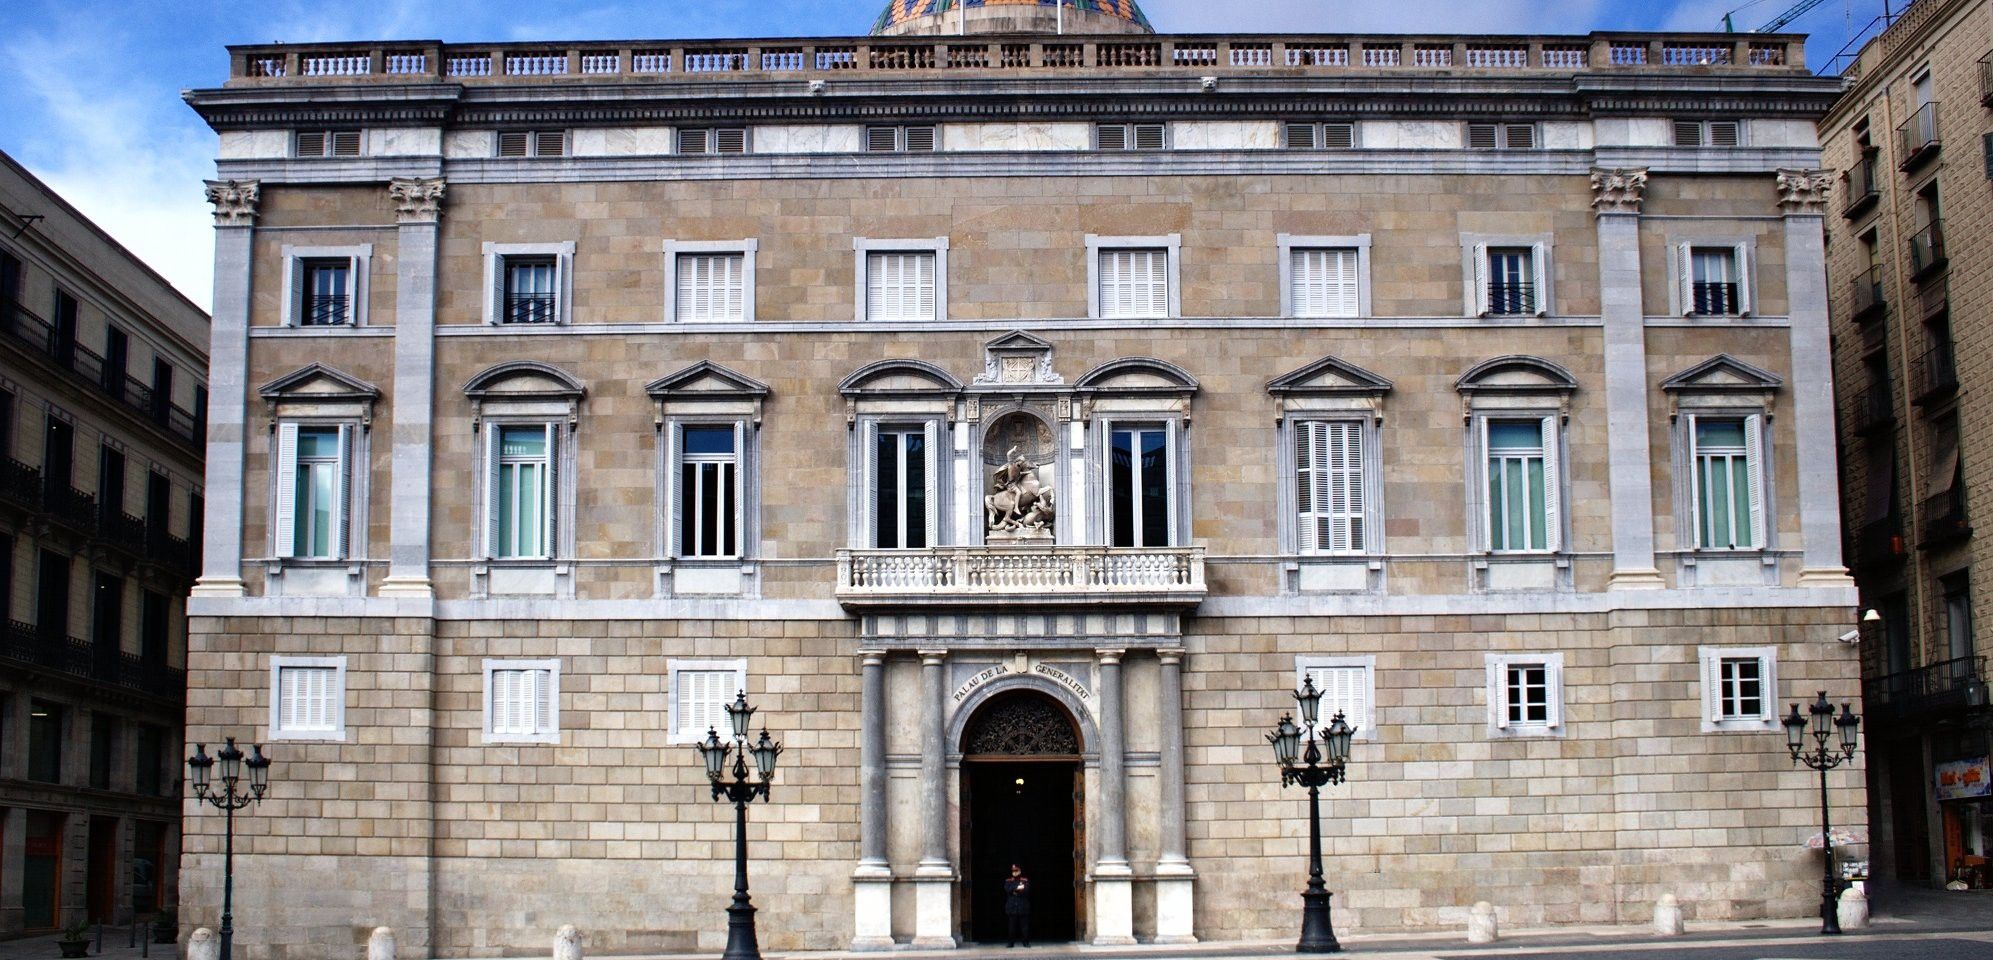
229	799
741	943
1823	758
1322	762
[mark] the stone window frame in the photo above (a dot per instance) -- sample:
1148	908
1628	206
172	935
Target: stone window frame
1688	510
554	401
864	457
1287	244
1498	665
707	394
359	259
1330	389
1744	254
900	399
745	462
862	249
1107	407
316	395
1366	724
353	451
494	279
1726	388
677	665
747	249
1474	266
1707	665
275	729
1097	244
1486	397
552	733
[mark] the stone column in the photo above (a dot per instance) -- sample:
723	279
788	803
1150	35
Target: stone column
1616	198
1174	877
418	210
934	880
1113	882
872	882
13	861
1803	200
228	387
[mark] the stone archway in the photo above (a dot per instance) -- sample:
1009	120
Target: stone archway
1023	801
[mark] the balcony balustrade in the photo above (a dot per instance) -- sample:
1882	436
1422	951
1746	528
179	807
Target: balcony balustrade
1927	250
1862	191
1866	296
1511	299
1715	299
1941	519
1057	576
87	366
24	644
1880	543
1935	374
1946	687
1874	410
1917	138
1986	80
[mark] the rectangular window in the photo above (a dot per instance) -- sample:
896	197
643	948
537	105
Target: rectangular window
52	597
1708	133
328	143
715	140
1130	136
1526	694
1715	280
1958	616
902	498
327	300
103	745
1511	281
45	741
1325	282
712	286
1739	688
1139	487
912	139
708	491
900	285
1348	686
313	467
522	701
1520	485
1501	136
148	757
307	698
532	143
700	692
1328	460
1320	136
1134	283
532	291
1729	493
522	491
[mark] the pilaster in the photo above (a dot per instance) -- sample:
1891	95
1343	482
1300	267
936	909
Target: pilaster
872	882
1616	200
1113	881
418	210
1803	201
934	879
1174	877
235	203
13	863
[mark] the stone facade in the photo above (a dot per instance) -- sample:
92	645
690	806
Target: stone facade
1910	350
100	401
1168	654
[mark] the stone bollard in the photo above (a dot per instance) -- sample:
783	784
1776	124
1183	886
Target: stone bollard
380	946
1853	909
1668	916
567	943
202	945
1481	924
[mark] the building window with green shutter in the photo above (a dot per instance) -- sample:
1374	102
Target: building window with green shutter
1522	489
521	521
313	490
1728	491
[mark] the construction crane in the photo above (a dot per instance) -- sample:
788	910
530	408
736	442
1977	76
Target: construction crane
1796	11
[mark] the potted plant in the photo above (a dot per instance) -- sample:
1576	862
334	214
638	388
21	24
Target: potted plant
166	925
75	939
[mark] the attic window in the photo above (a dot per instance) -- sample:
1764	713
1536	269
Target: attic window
715	140
1130	136
1501	136
910	139
1321	136
1707	133
328	143
532	143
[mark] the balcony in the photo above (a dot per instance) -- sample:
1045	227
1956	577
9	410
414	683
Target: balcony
23	644
1948	687
529	308
1935	374
1927	250
122	529
1917	139
325	310
1042	576
1879	543
85	365
20	484
174	553
1986	80
1511	299
1941	519
1933	300
1866	296
1862	193
1872	411
70	507
1715	299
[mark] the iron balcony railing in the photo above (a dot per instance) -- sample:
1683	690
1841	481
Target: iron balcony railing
1511	298
1933	299
1715	299
1935	373
69	506
1986	80
21	484
1927	250
174	553
325	310
1862	190
1941	518
121	529
88	366
1950	686
529	308
27	645
1918	136
1879	542
1865	293
1873	410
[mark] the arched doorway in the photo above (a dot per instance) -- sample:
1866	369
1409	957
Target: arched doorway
1023	802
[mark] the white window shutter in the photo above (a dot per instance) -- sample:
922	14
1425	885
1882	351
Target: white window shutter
691	305
1169	484
869	505
739	517
1345	301
1684	263
674	483
285	525
300	286
1712	687
1553	694
543	701
1539	267
1754	464
1500	695
492	506
343	495
550	496
1484	480
1694	475
1552	508
287	698
932	431
1481	279
1346	491
1310	457
1742	259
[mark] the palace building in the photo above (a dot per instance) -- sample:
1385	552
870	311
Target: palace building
1017	404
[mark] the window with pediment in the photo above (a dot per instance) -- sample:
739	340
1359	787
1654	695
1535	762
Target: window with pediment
525	415
708	421
1515	408
319	479
1330	418
1720	413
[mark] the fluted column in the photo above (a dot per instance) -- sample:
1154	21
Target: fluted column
934	900
1616	199
872	883
1113	893
1174	883
235	203
1803	200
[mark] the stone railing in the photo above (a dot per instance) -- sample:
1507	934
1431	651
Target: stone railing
1194	56
1050	575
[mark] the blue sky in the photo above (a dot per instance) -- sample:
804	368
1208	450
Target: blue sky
90	89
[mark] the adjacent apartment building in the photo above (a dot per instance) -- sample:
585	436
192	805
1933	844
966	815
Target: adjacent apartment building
1017	417
1912	292
102	366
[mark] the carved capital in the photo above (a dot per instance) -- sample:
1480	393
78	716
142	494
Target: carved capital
234	201
1618	191
416	200
1803	191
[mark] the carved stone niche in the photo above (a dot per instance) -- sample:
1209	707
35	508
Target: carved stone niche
1020	463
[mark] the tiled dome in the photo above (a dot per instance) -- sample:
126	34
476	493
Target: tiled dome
1126	14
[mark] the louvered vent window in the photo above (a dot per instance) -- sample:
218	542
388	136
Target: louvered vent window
1321	136
308	699
1501	136
900	286
328	143
715	140
1325	283
1345	691
913	139
521	704
1131	136
532	143
1707	133
701	700
712	286
1134	283
1328	459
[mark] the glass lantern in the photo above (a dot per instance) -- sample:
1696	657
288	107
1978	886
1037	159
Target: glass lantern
765	751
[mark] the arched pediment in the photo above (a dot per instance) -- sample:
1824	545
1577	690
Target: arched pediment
1724	373
899	378
1517	374
316	381
524	380
1138	375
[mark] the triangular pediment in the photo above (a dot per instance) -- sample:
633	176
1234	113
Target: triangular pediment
1017	340
316	381
1332	376
899	377
1723	372
706	379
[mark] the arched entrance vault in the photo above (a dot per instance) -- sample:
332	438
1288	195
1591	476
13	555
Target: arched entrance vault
1022	752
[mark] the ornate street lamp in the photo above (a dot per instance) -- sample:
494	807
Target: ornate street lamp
741	944
1823	758
228	798
1322	763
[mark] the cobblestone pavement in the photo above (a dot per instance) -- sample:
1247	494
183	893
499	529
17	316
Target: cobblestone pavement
119	943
